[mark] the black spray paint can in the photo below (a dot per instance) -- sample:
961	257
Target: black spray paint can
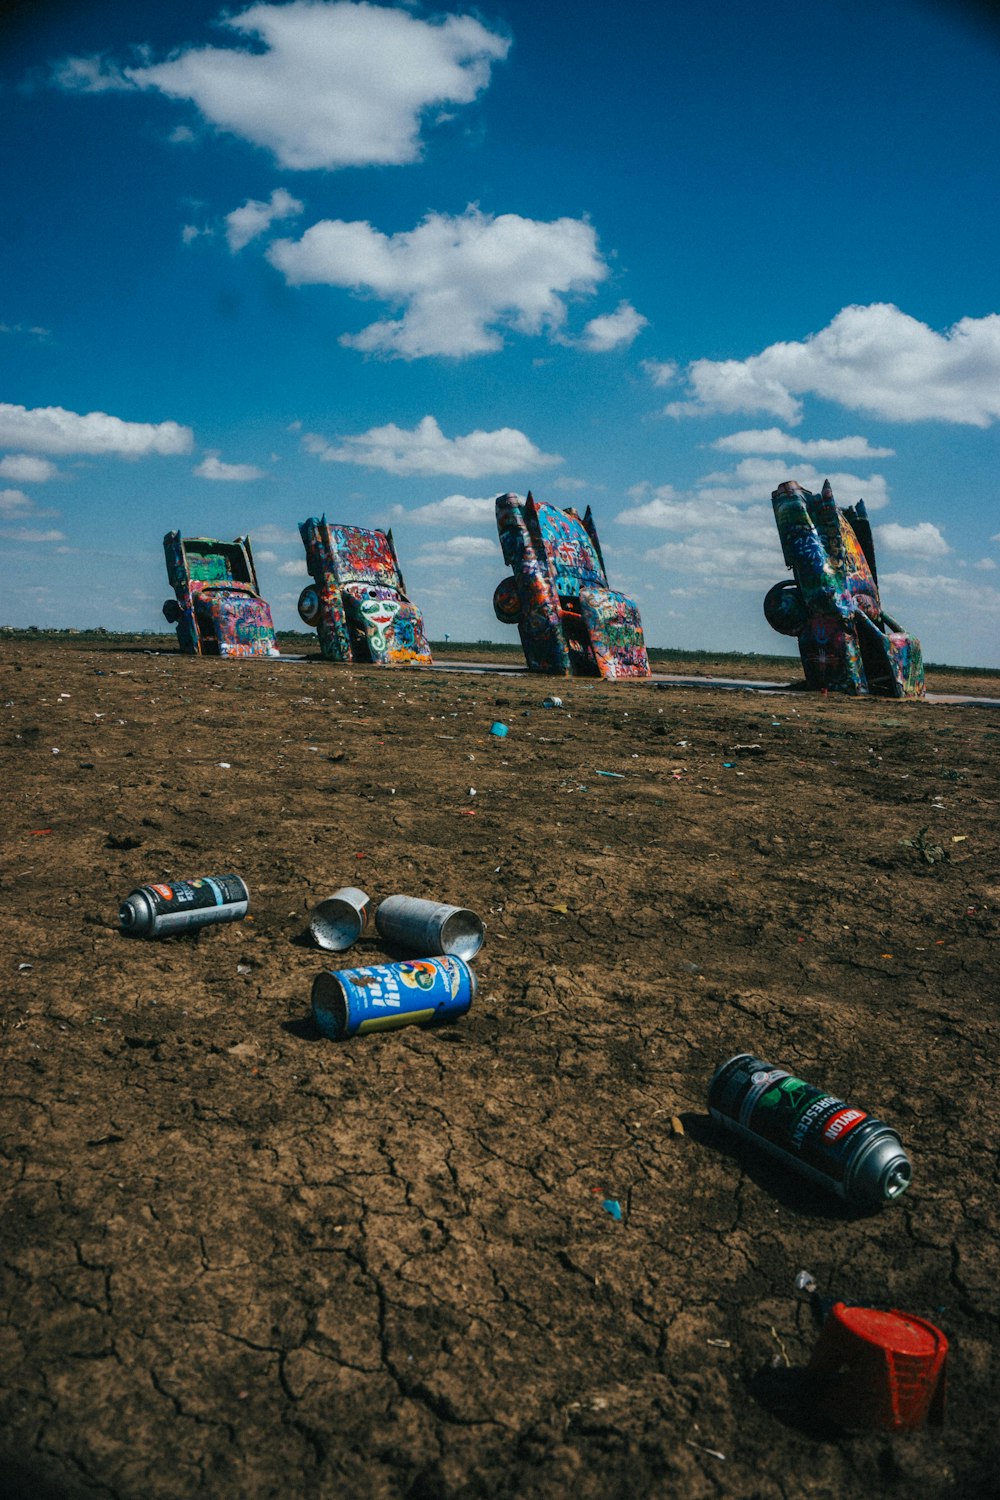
839	1147
155	911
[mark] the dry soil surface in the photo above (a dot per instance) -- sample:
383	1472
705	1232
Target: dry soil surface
240	1260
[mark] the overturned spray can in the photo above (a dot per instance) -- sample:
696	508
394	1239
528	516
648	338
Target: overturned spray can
160	910
837	1146
427	927
347	1002
340	920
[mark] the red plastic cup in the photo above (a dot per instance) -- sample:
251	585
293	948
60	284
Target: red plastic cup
880	1369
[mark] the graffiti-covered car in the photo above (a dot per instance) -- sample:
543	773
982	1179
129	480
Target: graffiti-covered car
357	601
570	622
217	608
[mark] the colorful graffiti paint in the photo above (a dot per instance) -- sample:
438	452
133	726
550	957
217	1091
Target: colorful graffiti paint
570	622
357	601
217	608
848	644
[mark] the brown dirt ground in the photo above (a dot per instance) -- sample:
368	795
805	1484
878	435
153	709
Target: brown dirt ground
239	1260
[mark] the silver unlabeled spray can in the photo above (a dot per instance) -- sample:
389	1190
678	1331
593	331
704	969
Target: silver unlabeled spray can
427	927
155	911
351	1002
839	1147
340	920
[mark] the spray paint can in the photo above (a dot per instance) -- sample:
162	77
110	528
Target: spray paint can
340	920
348	1002
839	1147
429	927
155	911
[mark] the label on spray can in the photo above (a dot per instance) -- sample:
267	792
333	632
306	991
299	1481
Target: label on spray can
835	1144
350	1002
156	910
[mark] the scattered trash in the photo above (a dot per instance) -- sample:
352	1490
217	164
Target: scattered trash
498	730
427	928
676	1125
38	833
552	703
472	791
351	1002
23	968
613	1207
160	910
224	765
841	1148
712	1452
805	1282
615	775
719	1343
878	1369
956	838
55	750
244	968
340	920
728	765
747	749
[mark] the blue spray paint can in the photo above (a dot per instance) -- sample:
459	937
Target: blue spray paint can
349	1002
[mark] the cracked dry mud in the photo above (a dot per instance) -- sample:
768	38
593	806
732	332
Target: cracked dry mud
239	1260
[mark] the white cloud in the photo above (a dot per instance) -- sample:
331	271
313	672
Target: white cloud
922	540
320	85
996	537
292	569
15	503
191	232
51	429
23	534
457	549
181	135
613	330
660	371
255	217
876	359
757	478
773	440
211	467
266	557
89	75
459	279
985	564
572	486
276	536
452	510
26	468
937	586
424	449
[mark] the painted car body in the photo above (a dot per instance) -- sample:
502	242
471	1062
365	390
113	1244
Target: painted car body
357	600
217	608
848	644
570	622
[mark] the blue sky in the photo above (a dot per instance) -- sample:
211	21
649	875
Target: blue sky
389	261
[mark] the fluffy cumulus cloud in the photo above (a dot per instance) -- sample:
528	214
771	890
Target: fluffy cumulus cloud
660	371
875	359
457	549
212	467
14	503
459	279
453	510
721	533
922	540
319	85
255	218
773	440
424	449
613	330
929	589
292	569
27	468
51	429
